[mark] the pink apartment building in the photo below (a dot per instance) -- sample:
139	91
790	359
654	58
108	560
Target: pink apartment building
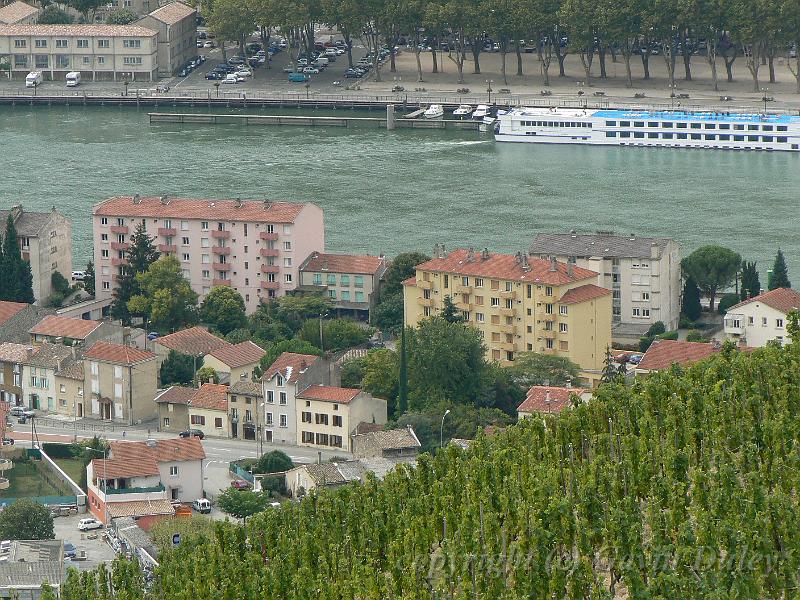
255	247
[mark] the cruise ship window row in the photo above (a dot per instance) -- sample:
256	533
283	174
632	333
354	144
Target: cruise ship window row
686	125
723	137
555	124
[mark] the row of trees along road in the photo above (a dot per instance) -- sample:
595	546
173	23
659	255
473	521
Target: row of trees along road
755	31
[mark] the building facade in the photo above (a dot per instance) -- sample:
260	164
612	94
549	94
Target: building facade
176	24
643	274
45	240
245	405
117	52
208	410
69	390
236	362
12	358
254	247
762	319
173	408
39	387
519	305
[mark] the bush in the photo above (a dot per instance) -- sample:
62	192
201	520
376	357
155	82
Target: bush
123	16
273	462
726	302
656	328
644	343
54	450
274	484
55	300
695	336
668	335
59	283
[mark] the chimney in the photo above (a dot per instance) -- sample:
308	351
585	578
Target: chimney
485	254
573	234
29	350
16	212
471	255
570	271
74	351
518	258
164	200
137	199
267	204
547	399
325	264
654	251
553	264
633	237
525	264
239	203
436	250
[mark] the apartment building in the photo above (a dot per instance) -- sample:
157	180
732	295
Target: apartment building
12	357
245	405
69	389
18	13
176	24
235	362
173	408
255	247
352	282
39	370
327	415
45	239
519	304
120	383
762	319
116	52
208	410
643	274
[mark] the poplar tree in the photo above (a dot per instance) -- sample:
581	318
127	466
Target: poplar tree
779	278
691	300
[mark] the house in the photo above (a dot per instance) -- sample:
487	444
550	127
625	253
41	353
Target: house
643	274
16	325
327	415
246	401
120	383
45	238
66	330
194	341
173	408
235	362
139	479
761	319
39	370
28	565
283	380
518	304
69	389
176	24
208	410
12	358
547	399
252	246
662	354
18	13
352	282
396	444
109	52
301	480
10	309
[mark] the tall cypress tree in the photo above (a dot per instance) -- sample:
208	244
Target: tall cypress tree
779	278
141	254
12	262
25	293
3	274
691	300
751	284
402	388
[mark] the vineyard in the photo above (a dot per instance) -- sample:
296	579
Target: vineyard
684	486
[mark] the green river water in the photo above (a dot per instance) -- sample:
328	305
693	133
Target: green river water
393	191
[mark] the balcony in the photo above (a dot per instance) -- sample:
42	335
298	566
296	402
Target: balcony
269	252
512	295
119	246
220	235
135	490
424	285
508	346
549	334
118	262
270	237
221	266
167	248
221	250
269	285
463	289
507	312
225	282
426	302
733	324
545	317
167	231
270	268
464	306
119	229
507	329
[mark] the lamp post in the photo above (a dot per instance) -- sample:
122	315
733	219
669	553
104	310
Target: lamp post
216	85
489	83
126	83
307	85
321	342
764	98
672	88
105	481
441	429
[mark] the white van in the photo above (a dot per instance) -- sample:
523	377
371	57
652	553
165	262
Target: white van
73	78
202	506
321	62
33	79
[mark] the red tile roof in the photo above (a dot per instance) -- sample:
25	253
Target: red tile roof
13	353
290	365
584	293
329	394
662	354
65	327
343	263
239	355
138	459
505	266
194	341
9	309
782	299
139	508
120	469
175	395
538	396
117	353
209	210
173	12
410	281
88	30
212	396
16	12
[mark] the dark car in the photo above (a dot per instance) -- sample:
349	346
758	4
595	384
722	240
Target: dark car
69	550
235	60
215	75
192	433
239	484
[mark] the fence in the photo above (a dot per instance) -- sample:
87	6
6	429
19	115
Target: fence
46	500
240	472
77	424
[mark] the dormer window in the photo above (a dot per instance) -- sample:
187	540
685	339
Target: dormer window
279	381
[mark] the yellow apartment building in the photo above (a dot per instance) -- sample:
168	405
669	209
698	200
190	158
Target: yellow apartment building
518	303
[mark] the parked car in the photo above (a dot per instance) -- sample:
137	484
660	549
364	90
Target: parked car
310	70
192	433
208	44
244	73
70	550
152	335
88	524
231	78
78	275
215	75
235	60
8	441
21	411
298	77
240	484
635	359
288	69
5	546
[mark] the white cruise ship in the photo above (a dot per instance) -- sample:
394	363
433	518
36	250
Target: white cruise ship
672	129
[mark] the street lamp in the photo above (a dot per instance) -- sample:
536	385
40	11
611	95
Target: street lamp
764	98
125	82
441	429
216	85
489	83
105	480
672	88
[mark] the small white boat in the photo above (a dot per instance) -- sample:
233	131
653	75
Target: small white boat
464	110
434	111
487	124
480	112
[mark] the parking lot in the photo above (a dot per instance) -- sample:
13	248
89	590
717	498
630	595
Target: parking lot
97	550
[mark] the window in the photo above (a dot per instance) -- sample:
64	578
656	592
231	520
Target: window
306	417
279	381
287	278
166	421
204	225
562	309
218	422
132	60
287	262
197	420
611	134
562	327
332	294
282	398
322	439
131	43
283	421
479	318
173	470
638	123
336	441
360	297
185	257
337	420
652	124
495	302
185	241
344	280
317	279
331	279
321	419
61	43
268	418
779	323
42	61
645	312
479	282
358	281
695	126
41	43
637	312
548	309
206	274
548	343
20	43
763	321
346	295
103	44
287	246
638	134
548	291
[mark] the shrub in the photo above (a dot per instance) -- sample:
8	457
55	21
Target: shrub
726	302
668	335
644	343
695	336
656	328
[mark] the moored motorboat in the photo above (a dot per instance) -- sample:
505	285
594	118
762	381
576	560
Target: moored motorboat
434	111
463	111
480	112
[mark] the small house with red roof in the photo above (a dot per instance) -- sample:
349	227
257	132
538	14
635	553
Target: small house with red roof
761	319
235	362
548	399
662	354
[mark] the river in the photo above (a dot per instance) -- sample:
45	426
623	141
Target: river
402	190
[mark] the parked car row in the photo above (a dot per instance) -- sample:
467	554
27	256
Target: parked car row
192	65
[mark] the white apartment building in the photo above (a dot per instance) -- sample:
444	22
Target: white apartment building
643	274
101	51
761	319
254	246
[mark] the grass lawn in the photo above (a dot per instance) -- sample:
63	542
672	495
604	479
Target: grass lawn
26	482
72	467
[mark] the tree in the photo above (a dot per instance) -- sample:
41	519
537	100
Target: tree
206	375
779	278
242	503
751	284
273	462
294	345
89	279
402	375
224	308
338	334
177	369
86	7
450	312
142	251
194	529
401	268
166	299
141	254
53	15
656	328
232	20
531	368
123	16
610	373
26	519
352	372
691	300
726	302
16	281
25	283
381	376
47	592
388	313
712	268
